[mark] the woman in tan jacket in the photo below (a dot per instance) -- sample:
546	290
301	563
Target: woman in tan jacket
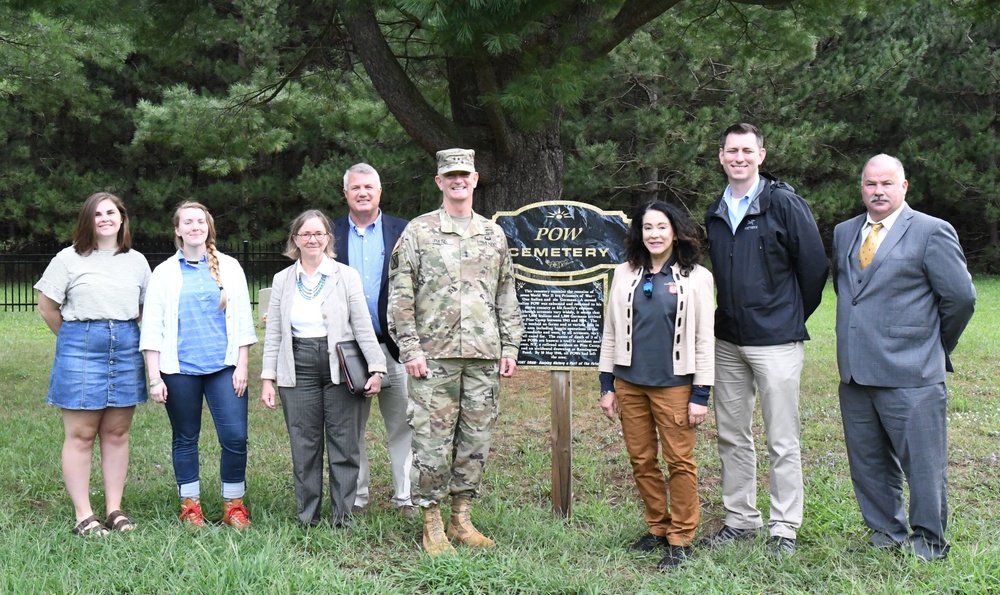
660	390
315	304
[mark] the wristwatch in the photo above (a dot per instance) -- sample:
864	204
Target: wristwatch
606	392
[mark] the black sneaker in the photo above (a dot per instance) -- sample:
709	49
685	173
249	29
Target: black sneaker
676	555
781	546
727	535
648	543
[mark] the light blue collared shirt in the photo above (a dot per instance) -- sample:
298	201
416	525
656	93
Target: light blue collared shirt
201	326
738	206
365	254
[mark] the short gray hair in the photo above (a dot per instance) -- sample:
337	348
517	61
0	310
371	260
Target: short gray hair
362	168
898	163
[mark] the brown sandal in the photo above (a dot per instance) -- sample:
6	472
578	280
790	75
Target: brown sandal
117	521
90	526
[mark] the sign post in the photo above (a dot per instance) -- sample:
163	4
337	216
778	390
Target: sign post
562	253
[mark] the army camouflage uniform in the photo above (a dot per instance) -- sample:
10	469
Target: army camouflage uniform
452	301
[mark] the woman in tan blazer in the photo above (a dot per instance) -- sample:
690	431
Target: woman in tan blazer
315	304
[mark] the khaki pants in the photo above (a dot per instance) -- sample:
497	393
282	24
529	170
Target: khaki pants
672	507
740	372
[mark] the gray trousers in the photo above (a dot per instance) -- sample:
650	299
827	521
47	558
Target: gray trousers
889	433
316	409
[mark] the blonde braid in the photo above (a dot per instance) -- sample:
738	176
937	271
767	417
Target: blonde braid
213	267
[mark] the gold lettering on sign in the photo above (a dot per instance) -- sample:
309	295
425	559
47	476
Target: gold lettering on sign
558	233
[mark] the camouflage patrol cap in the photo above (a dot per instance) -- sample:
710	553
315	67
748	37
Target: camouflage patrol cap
450	160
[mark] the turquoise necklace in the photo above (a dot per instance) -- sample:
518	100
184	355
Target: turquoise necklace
310	294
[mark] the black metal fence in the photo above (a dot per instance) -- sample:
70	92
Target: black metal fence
21	266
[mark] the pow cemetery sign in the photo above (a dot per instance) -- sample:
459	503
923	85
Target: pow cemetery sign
562	252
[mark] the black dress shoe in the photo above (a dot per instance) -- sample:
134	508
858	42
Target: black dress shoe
727	535
648	543
883	541
924	550
676	555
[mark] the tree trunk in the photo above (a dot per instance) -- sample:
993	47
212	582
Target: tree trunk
532	172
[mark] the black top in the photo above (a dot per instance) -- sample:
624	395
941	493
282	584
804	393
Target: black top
770	273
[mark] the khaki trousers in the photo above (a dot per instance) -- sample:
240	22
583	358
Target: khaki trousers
672	507
774	371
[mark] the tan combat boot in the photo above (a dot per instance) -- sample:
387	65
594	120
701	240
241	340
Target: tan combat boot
435	542
461	527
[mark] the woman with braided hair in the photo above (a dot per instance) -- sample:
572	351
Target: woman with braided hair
196	334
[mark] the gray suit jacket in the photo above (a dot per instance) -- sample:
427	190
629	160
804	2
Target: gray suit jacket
900	318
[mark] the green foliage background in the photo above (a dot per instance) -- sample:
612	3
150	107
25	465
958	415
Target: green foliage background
256	107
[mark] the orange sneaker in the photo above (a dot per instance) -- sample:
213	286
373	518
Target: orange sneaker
235	514
191	512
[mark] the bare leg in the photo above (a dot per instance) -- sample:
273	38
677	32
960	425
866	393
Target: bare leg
114	430
78	448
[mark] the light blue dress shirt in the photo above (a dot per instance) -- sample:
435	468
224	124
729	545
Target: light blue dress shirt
365	254
201	326
738	206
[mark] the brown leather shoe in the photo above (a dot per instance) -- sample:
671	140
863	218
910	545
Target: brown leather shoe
235	514
191	513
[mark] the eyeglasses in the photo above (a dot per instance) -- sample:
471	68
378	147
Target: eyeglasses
319	235
647	286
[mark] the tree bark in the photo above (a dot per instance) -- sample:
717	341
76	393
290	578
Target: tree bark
517	165
532	172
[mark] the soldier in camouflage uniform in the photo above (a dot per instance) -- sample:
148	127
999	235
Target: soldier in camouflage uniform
453	312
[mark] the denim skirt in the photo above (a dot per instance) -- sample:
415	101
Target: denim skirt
97	365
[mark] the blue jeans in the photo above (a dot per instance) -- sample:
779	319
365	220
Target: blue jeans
229	412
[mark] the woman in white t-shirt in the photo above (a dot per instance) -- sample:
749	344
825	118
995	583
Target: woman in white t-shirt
91	297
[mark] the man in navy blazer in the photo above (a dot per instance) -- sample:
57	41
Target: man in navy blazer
904	296
364	240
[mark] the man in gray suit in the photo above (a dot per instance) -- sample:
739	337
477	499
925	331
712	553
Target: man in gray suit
904	296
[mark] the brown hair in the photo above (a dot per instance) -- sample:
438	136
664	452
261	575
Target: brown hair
213	254
291	248
85	236
742	128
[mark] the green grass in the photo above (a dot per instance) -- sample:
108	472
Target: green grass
537	552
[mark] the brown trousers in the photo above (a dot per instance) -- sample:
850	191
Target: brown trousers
672	506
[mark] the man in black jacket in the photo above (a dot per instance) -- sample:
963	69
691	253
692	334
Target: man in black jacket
364	240
770	268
